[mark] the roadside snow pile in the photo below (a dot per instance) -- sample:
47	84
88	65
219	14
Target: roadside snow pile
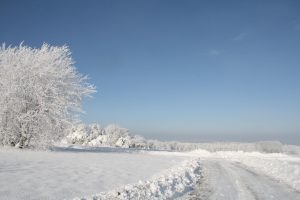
281	167
94	135
172	184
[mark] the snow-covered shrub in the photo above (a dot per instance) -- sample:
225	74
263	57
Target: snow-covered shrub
96	136
138	142
41	92
80	134
114	133
264	146
291	149
269	146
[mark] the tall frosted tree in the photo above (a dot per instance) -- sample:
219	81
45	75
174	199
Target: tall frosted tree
41	93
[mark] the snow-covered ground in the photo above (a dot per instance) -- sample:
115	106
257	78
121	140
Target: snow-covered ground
66	175
170	184
115	173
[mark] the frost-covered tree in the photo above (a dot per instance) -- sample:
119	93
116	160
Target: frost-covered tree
41	94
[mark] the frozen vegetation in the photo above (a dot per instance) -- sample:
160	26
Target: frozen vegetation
41	95
94	135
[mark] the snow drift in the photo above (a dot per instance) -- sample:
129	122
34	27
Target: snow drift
171	184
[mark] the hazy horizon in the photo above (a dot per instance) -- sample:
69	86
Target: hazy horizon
205	137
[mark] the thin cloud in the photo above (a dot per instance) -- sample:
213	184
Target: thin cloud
240	37
297	27
214	52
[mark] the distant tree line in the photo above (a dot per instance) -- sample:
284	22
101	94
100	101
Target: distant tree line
94	135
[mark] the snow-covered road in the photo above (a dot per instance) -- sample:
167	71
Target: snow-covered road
229	180
232	176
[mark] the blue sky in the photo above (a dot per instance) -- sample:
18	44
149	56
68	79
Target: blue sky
187	70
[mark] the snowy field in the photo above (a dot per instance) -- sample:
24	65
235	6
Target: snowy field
122	174
66	175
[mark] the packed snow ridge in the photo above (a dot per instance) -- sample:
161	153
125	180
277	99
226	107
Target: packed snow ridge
169	185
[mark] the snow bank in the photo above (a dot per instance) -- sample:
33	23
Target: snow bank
171	184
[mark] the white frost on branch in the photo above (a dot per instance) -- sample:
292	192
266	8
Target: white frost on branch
41	94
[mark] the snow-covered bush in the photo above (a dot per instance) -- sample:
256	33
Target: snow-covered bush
96	136
291	149
264	146
269	146
41	92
